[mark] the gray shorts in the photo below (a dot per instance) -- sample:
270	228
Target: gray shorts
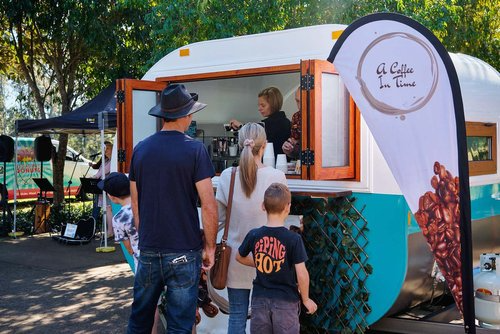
272	316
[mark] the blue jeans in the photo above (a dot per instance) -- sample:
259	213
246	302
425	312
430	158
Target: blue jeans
238	310
154	272
274	316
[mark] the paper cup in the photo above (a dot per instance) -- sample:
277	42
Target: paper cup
281	159
233	150
269	151
268	159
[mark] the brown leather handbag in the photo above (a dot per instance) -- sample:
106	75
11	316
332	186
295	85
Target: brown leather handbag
218	273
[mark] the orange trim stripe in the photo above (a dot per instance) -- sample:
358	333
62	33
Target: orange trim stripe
336	34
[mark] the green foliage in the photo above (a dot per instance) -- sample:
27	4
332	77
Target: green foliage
24	223
462	26
82	45
470	27
74	48
25	217
88	144
68	50
69	214
121	44
177	23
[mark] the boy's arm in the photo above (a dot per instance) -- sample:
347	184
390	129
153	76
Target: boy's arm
247	260
127	245
134	203
303	282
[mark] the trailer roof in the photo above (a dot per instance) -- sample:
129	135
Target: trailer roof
274	48
480	86
480	82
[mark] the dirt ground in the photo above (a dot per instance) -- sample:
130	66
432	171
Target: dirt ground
48	287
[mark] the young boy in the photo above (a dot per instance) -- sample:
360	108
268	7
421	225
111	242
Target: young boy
117	186
279	257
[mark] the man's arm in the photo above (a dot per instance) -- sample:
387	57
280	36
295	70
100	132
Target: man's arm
134	203
247	260
303	282
209	220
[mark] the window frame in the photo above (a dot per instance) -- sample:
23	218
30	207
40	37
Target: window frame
125	120
313	127
482	129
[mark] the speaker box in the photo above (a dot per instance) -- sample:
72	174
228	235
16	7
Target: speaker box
43	148
6	148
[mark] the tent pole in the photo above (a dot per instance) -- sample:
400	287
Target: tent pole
103	122
15	186
103	176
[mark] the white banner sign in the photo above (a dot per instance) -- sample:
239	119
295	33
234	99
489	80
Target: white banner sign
405	85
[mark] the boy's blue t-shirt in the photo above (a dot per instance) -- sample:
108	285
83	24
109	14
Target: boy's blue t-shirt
166	167
276	251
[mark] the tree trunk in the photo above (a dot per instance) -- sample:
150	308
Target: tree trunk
58	170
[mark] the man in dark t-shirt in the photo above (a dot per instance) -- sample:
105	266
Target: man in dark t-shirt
279	257
168	172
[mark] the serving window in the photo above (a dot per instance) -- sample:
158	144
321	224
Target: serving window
481	148
330	130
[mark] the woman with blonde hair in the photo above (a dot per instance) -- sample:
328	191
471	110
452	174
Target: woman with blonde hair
252	180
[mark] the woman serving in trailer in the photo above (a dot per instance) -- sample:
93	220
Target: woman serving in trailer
276	124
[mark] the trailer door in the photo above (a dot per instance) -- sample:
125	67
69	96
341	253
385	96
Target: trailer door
329	121
134	99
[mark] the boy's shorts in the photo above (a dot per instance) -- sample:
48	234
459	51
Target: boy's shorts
274	316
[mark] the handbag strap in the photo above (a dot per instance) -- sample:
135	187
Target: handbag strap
229	204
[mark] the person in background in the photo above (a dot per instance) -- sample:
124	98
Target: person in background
251	180
117	186
108	149
278	288
169	171
275	121
291	147
473	152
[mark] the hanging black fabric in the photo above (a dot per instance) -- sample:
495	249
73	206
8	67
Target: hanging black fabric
43	148
6	148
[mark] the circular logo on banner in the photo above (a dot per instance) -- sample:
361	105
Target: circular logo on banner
398	73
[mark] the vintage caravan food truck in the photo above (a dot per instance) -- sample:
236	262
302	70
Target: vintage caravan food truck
339	155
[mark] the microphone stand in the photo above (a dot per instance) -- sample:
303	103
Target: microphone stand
41	176
68	188
88	168
93	156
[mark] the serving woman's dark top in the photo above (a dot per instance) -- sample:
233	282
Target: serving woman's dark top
277	130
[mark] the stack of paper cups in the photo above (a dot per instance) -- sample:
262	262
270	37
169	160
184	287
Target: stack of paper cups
281	163
268	159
